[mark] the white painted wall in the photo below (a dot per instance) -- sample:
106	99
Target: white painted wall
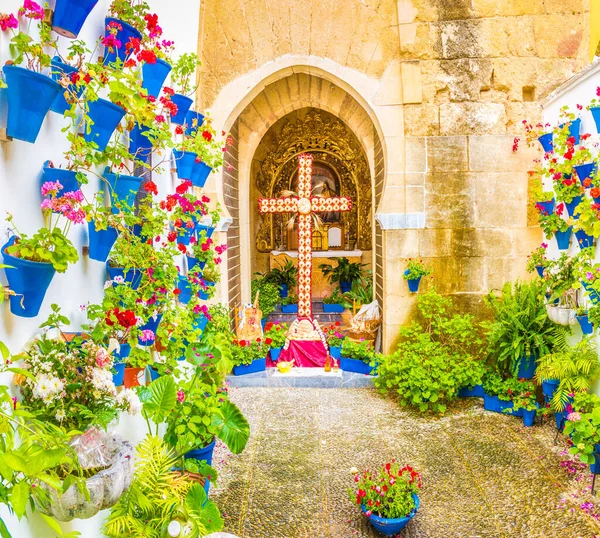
20	169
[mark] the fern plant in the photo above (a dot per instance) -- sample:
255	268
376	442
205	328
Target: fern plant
283	275
343	271
576	368
158	497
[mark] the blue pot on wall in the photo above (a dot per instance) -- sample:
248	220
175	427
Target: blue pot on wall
150	325
587	327
120	363
123	188
131	276
208	230
69	16
563	239
124	33
413	283
184	162
193	262
573	129
585	170
573	204
200	174
390	527
28	280
258	365
30	96
540	270
105	117
154	76
545	208
595	110
584	240
67	178
154	375
591	292
140	145
193	121
546	142
183	103
58	70
101	241
186	289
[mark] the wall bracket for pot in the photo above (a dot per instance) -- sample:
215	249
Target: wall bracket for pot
6	293
4	137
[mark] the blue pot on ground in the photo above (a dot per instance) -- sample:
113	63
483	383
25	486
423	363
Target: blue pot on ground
208	230
30	96
275	352
58	69
563	239
560	419
263	323
335	352
491	403
545	208
540	270
104	118
528	417
475	392
587	327
154	76
151	325
584	240
283	290
119	373
573	204
585	171
69	16
389	527
200	174
527	367
549	387
183	105
332	308
132	276
289	308
595	110
123	188
28	280
202	454
546	142
193	121
139	144
355	365
595	467
186	289
345	286
258	365
154	375
184	162
124	33
101	241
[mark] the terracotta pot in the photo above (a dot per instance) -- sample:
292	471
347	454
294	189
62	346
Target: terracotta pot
133	376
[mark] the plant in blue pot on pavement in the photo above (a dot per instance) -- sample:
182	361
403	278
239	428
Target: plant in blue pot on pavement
584	430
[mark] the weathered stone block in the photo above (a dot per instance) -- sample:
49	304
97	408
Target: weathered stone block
472	118
494	153
415	199
421	120
460	39
412	91
415	179
435	242
447	153
526	240
560	35
449	211
481	242
493	8
401	243
463	79
449	183
501	199
416	154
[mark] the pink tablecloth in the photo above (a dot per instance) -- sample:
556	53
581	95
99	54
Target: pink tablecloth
305	353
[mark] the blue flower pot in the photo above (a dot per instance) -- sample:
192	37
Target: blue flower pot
150	325
184	162
192	117
528	417
104	118
208	230
595	110
527	367
335	352
263	323
587	327
185	238
101	241
193	262
355	365
585	170
154	76
595	467
29	280
186	289
119	373
476	392
545	208
139	144
540	270
332	308
563	239
593	295
200	174
183	105
389	527
202	454
30	96
413	284
123	188
258	365
201	322
275	352
132	276
549	387
58	69
67	178
546	142
560	419
69	16
584	240
573	204
123	35
205	294
573	129
345	286
283	290
491	403
123	353
289	308
154	375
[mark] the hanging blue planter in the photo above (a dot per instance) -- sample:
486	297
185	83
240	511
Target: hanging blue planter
186	289
335	352
573	129
132	276
154	76
100	241
345	286
563	239
67	178
123	188
527	367
194	121
475	392
587	327
192	262
546	142
119	364
257	365
355	365
413	283
540	270
202	454
390	527
124	33
208	231
205	294
545	208
30	96
289	308
104	118
58	70
332	308
28	280
150	325
528	417
549	387
595	110
184	161
140	145
585	171
154	375
573	204
183	103
200	174
584	240
593	295
69	16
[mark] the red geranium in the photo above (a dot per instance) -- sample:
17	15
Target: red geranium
150	186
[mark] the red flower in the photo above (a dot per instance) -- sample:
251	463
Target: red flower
182	248
179	130
147	56
172	236
243	343
205	199
150	186
178	223
595	192
168	91
176	291
87	79
75	77
268	341
337	323
269	326
183	187
207	135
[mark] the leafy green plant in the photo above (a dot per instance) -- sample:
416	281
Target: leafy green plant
537	258
333	334
361	292
283	275
521	327
362	351
247	351
575	367
183	73
343	271
584	430
275	334
268	297
289	300
415	269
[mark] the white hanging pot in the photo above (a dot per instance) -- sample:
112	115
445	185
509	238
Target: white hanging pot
561	315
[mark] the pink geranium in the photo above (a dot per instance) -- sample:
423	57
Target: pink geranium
8	21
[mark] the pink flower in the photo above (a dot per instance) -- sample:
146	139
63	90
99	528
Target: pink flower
51	187
180	396
160	118
102	358
147	336
574	417
111	42
31	10
8	21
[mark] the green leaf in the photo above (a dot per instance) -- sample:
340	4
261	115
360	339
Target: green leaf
4	530
162	400
19	496
234	429
3	349
53	524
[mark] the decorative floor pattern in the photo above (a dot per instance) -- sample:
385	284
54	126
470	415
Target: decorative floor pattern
484	474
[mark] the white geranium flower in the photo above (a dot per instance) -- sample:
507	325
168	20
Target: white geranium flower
60	415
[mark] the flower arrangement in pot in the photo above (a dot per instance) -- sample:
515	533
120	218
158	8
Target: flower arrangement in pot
343	273
561	278
358	357
289	304
555	225
275	335
387	496
524	401
209	151
537	260
582	425
415	270
334	337
249	356
183	81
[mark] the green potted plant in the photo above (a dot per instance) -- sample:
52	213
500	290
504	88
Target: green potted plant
537	260
358	357
581	314
343	273
415	270
275	336
268	296
249	356
360	294
183	77
334	303
334	338
285	277
555	225
289	304
525	402
584	430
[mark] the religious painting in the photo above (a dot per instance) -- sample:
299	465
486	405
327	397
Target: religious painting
326	184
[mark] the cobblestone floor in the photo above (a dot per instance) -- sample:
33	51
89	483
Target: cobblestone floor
484	474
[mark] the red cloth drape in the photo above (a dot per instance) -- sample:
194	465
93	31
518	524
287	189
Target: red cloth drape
306	353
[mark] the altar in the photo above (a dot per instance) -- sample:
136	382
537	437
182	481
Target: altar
320	285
